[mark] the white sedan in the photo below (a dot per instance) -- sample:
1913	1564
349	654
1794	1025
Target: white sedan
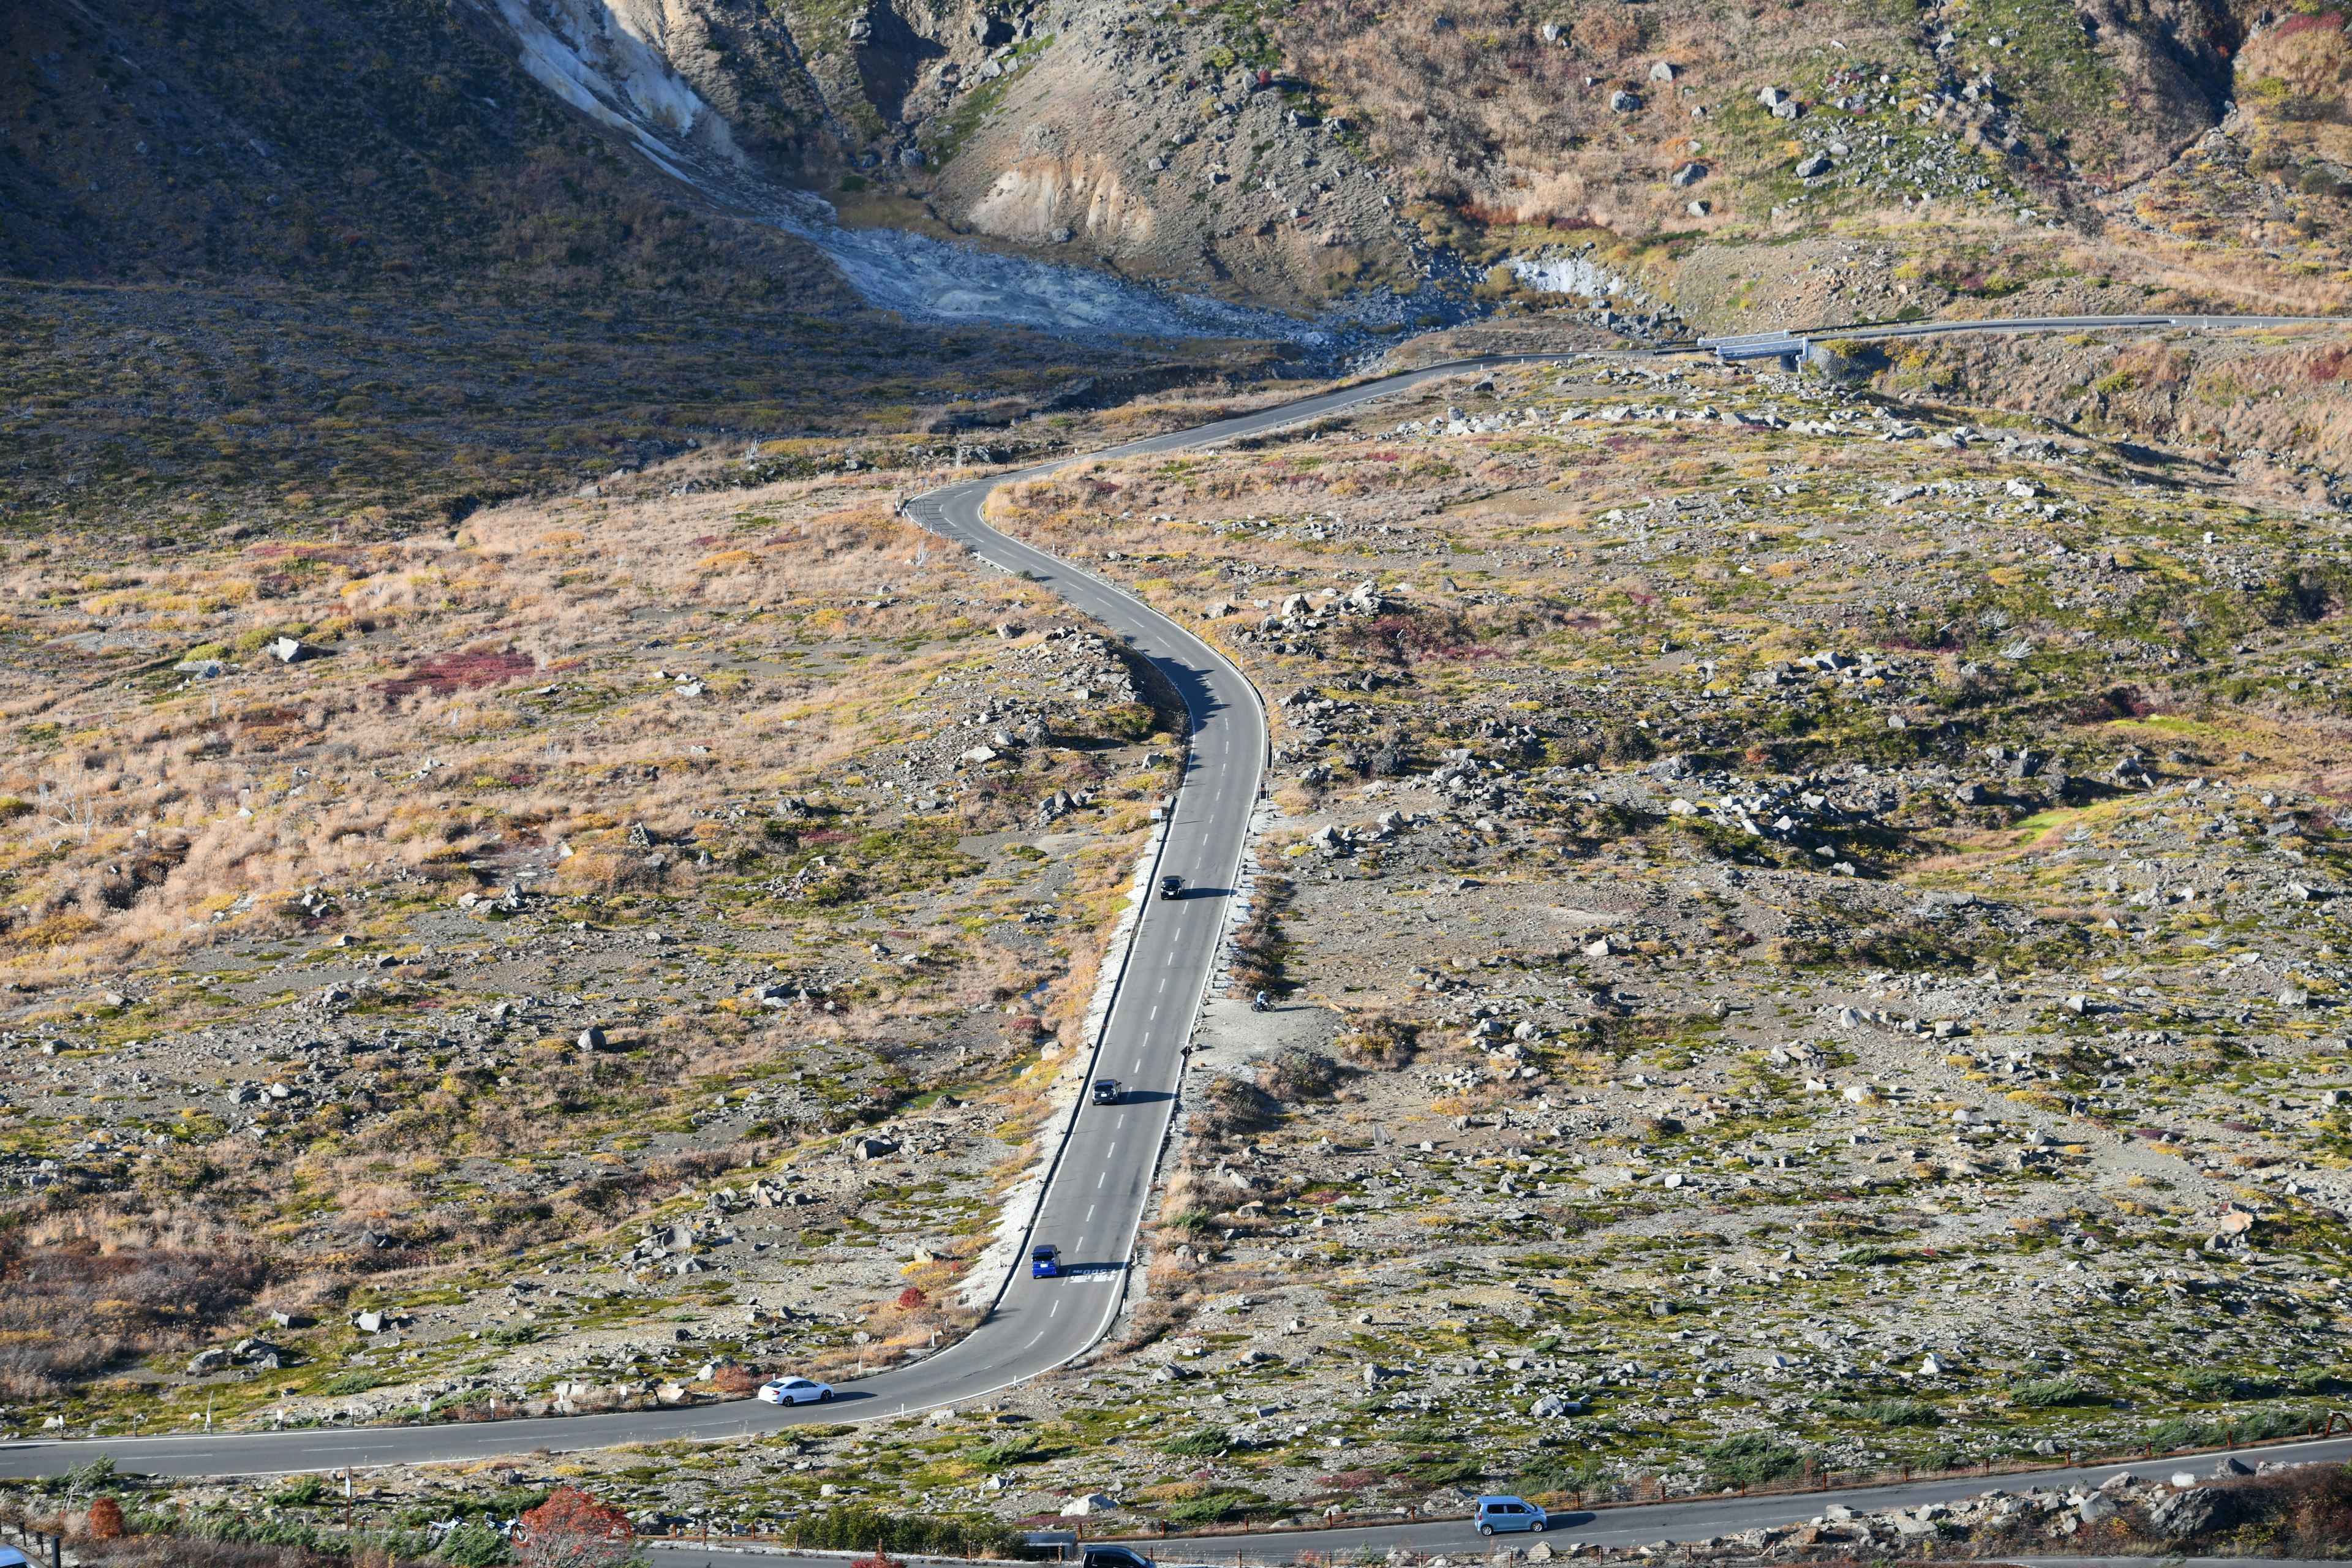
795	1390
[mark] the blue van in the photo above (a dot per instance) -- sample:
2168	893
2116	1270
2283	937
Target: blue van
1509	1513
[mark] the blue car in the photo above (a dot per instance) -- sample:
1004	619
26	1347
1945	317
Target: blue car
1509	1513
1044	1262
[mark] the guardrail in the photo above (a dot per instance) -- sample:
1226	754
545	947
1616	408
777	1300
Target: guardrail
1785	346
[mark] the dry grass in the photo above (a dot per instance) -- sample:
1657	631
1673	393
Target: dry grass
147	810
2209	396
500	696
1502	127
85	1289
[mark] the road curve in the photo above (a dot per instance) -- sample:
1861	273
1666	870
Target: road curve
1093	1201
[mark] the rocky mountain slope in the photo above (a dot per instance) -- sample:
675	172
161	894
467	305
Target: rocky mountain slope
1289	156
1805	925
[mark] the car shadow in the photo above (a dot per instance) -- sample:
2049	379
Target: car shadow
1181	894
841	1396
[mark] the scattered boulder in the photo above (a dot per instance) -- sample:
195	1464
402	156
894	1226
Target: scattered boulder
2194	1512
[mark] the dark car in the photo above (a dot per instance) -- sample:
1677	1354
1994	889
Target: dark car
1045	1262
1172	887
1107	1091
1116	1557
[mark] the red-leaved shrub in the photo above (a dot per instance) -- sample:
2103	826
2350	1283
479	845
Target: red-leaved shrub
572	1529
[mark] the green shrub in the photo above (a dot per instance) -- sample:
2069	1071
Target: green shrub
1870	1257
1129	722
2045	1393
258	638
2217	1385
1753	1459
866	1529
1211	1506
2278	1421
1900	1413
2205	1432
350	1382
1204	1509
96	1476
474	1544
301	1493
1560	1474
1204	1443
1445	1471
1010	1451
2181	1432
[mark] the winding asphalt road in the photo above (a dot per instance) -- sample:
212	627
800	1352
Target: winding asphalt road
1094	1199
